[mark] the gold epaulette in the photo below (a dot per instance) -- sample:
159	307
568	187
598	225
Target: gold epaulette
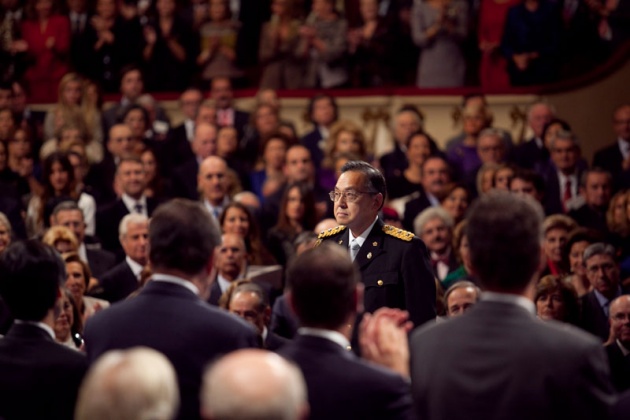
398	233
328	233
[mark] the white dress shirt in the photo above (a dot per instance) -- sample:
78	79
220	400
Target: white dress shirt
167	278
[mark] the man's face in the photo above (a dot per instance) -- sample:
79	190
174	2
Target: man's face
621	123
131	178
205	141
357	215
190	102
603	274
207	115
246	304
620	319
406	124
298	166
73	220
120	141
490	149
436	235
6	98
221	92
136	242
131	85
213	181
323	112
597	190
539	116
435	176
564	155
460	300
231	256
524	188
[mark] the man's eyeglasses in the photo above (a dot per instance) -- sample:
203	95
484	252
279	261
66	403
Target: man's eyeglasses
349	196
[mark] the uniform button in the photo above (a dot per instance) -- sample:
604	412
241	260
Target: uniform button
380	282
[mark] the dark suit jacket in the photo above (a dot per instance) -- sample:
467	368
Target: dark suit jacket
274	342
215	294
589	217
619	367
172	320
528	155
40	378
621	410
185	180
498	361
108	219
101	178
100	261
594	320
117	283
396	273
284	322
611	159
341	386
311	142
414	207
178	147
394	162
551	201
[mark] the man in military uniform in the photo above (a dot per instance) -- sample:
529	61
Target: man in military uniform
394	264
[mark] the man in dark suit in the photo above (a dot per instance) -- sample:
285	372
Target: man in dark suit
26	117
406	121
602	272
618	347
616	157
394	264
40	378
204	145
223	97
249	301
169	314
181	137
435	227
325	292
80	47
436	176
323	113
562	175
534	151
124	278
230	261
595	187
131	178
68	214
501	361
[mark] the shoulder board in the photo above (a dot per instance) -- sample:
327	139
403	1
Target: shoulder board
398	233
331	232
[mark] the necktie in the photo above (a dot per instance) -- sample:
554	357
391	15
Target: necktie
138	208
567	192
354	249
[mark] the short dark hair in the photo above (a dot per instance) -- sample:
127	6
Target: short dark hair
67	205
333	102
32	274
374	179
181	237
594	170
505	254
531	177
133	107
580	234
322	282
128	69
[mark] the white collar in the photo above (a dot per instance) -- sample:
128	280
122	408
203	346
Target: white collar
224	283
334	336
264	334
130	203
221	206
510	298
83	253
623	348
167	278
539	143
41	325
433	200
363	236
136	268
624	147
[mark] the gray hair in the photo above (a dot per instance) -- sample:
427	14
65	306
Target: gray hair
564	135
461	285
551	107
253	385
429	214
491	132
137	383
67	205
4	220
599	248
130	219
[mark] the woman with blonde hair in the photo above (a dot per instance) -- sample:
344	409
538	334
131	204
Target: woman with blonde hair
556	230
616	216
62	239
345	137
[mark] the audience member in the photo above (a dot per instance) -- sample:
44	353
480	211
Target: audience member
527	183
462	252
230	263
615	158
618	344
534	150
203	145
435	179
542	381
273	153
461	297
407	121
595	187
556	229
181	244
434	226
323	112
40	377
418	148
181	137
339	384
253	384
573	255
61	239
456	202
134	383
557	300
5	232
78	282
68	325
237	218
562	176
490	27
227	115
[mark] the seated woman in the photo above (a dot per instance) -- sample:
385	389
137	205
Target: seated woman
5	232
556	300
556	230
70	132
78	278
157	185
456	202
68	326
462	252
419	147
485	178
297	214
264	122
236	218
578	240
503	176
62	239
273	152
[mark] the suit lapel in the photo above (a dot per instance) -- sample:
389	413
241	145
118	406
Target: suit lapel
372	247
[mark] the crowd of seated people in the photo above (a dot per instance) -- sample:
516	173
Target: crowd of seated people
266	195
289	44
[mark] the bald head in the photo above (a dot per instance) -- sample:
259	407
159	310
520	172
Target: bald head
204	142
212	180
619	314
252	385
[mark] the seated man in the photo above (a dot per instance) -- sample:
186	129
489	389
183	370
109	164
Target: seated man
460	297
435	227
230	260
40	377
618	346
